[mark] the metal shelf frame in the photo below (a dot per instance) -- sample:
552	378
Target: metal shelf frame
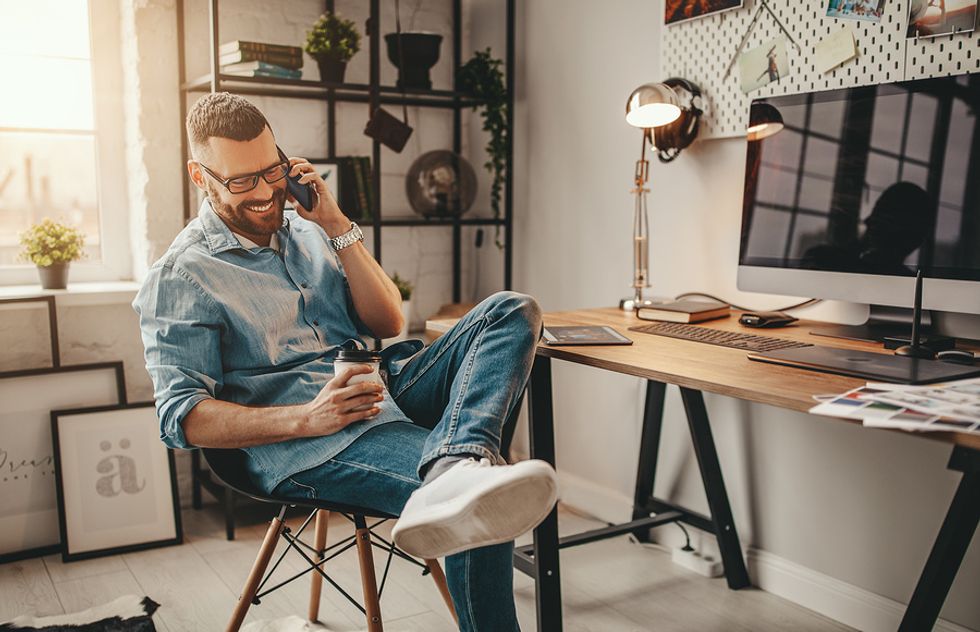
376	95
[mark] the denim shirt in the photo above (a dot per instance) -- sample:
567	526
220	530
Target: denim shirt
254	327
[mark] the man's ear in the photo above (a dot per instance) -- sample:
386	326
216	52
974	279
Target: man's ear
196	174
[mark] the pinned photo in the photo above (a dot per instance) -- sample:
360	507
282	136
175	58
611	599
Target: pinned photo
763	65
868	10
682	10
928	18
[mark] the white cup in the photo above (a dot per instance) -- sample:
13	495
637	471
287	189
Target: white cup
357	357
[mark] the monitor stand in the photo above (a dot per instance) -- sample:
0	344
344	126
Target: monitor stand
883	322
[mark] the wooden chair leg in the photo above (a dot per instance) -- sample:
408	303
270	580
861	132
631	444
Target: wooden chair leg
440	579
258	570
369	583
319	543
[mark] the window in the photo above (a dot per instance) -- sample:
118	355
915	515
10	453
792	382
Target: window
61	133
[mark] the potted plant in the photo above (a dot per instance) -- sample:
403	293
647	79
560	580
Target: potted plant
52	246
332	42
482	78
405	288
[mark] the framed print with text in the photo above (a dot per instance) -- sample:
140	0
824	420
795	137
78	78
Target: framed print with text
117	485
28	494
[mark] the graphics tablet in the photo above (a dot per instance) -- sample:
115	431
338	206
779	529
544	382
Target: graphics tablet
581	335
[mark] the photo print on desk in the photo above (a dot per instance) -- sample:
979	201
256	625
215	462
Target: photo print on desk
761	66
682	10
117	486
28	495
868	10
929	18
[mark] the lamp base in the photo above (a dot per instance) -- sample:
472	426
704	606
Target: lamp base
631	303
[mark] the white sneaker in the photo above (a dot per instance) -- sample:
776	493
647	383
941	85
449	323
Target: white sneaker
474	504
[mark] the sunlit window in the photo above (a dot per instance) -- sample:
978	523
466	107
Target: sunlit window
48	133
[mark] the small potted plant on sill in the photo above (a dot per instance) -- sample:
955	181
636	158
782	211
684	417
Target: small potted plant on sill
52	246
405	288
332	42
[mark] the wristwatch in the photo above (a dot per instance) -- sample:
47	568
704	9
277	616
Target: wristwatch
349	238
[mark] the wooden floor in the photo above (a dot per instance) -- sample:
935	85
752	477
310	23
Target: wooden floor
607	586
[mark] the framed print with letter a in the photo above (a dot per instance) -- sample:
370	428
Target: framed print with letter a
117	486
28	498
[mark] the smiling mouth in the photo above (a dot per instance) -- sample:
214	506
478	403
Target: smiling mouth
261	208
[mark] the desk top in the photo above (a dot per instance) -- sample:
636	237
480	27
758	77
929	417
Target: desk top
710	368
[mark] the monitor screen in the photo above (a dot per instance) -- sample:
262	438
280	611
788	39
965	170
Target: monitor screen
877	180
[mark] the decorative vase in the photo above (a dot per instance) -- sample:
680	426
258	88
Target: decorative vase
331	70
419	53
440	183
54	276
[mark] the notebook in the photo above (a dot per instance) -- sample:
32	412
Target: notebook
685	311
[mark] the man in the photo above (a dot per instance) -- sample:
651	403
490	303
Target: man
241	320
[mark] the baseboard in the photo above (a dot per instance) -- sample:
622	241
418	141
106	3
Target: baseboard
833	598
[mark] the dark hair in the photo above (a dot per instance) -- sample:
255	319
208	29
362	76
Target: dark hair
223	115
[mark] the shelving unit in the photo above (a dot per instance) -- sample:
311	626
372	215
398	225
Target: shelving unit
376	95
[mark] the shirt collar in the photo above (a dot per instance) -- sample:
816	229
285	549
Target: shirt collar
249	244
220	238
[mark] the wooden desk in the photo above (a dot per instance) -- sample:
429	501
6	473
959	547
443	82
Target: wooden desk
695	368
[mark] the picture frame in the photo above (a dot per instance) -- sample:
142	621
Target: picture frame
28	490
678	11
116	481
52	321
329	170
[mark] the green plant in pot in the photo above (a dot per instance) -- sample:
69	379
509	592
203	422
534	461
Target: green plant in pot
332	42
482	78
405	288
52	246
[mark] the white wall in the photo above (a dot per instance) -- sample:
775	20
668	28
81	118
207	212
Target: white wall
859	506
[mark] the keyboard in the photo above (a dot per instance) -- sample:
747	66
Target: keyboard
733	339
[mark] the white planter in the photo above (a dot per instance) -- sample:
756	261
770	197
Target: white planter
407	319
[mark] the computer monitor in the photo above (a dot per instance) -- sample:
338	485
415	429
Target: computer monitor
863	186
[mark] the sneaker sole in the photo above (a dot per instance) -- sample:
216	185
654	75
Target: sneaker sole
498	515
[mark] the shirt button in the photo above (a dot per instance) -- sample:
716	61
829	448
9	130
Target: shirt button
316	323
304	285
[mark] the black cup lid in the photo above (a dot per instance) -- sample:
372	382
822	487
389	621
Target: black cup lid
358	355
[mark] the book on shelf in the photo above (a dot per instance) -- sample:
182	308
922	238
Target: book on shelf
362	178
368	183
242	56
259	47
685	311
277	73
248	66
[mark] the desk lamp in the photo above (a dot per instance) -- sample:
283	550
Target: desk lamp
649	106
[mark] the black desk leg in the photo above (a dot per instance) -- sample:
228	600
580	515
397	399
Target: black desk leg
950	546
714	489
196	479
653	417
547	579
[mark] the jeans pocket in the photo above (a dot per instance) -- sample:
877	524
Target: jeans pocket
300	490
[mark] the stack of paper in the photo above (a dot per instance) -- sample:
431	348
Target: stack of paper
951	406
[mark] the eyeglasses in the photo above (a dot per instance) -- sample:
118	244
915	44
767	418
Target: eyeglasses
247	182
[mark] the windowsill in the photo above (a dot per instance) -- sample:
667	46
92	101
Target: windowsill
100	293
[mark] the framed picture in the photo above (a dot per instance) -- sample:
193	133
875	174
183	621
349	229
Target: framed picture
28	491
682	10
52	321
868	10
329	170
117	486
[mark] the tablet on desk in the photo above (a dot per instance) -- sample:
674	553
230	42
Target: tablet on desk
582	335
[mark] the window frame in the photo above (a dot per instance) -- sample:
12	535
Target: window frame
105	48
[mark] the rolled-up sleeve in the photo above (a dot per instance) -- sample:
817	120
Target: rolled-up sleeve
181	329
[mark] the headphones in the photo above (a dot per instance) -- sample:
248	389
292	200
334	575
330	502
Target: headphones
670	139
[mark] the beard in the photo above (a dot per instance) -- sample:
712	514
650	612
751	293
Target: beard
243	217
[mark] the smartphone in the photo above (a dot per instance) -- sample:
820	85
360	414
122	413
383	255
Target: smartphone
305	194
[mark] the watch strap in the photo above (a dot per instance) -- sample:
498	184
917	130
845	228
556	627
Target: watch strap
347	239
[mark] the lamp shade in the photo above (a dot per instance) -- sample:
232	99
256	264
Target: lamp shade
764	120
652	105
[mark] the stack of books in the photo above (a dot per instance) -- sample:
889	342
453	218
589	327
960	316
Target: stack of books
356	194
258	59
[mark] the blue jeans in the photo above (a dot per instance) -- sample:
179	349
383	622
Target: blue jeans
457	394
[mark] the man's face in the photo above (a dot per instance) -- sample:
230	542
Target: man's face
256	214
